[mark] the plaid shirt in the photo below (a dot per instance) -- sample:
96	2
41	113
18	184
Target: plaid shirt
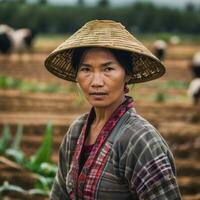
131	161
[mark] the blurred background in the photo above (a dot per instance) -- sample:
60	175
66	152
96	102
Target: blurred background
37	108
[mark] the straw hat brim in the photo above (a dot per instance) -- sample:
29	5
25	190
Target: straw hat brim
146	66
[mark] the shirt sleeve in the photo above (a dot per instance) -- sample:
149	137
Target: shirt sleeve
156	180
153	175
58	191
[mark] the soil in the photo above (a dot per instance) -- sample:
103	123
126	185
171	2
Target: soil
178	122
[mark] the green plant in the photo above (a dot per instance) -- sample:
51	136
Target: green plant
160	97
44	152
14	151
48	169
39	163
43	183
174	84
4	139
6	186
11	83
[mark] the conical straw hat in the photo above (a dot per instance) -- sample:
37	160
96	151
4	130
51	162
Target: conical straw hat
108	34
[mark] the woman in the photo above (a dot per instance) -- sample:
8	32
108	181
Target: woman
112	152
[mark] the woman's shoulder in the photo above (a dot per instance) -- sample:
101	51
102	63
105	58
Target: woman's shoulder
136	125
76	126
139	133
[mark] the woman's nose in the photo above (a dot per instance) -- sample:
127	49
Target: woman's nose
97	80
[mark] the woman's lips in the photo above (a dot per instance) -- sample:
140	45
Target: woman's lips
98	95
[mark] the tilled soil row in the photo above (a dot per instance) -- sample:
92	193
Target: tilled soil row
15	101
188	166
33	69
174	121
19	103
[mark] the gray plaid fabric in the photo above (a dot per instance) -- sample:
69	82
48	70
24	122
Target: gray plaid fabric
139	166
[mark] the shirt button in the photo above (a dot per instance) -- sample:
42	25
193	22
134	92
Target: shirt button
70	184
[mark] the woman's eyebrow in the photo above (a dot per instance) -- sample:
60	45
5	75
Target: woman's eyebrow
103	64
107	63
85	65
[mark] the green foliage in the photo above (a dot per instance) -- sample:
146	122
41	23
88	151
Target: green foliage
7	187
11	83
175	84
4	140
8	82
48	169
160	97
43	183
39	163
16	142
44	152
138	17
14	152
103	3
15	155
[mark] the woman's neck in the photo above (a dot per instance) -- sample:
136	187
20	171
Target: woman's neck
101	117
103	114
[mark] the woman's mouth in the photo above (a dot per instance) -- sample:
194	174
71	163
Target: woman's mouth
98	95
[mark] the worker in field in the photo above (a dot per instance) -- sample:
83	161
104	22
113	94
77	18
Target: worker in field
195	65
194	86
159	49
110	152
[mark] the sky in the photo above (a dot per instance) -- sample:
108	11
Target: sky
174	3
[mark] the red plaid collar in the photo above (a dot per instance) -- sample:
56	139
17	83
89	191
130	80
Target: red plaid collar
100	141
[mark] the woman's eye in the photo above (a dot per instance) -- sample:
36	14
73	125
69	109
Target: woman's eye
85	69
107	69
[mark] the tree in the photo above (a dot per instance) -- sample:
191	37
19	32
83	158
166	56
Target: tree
42	1
103	3
80	2
190	7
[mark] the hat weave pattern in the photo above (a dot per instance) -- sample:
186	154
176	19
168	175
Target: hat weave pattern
106	34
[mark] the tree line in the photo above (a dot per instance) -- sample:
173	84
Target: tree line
139	17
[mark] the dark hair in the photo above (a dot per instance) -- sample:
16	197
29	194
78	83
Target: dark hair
125	58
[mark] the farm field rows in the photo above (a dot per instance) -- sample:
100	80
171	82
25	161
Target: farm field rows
172	115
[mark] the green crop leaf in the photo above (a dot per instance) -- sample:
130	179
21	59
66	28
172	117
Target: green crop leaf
44	152
48	169
44	183
15	155
38	192
8	187
160	97
4	139
15	188
14	152
18	137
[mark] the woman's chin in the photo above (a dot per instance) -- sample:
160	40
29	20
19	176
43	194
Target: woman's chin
99	104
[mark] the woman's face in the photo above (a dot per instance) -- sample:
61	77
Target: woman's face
101	78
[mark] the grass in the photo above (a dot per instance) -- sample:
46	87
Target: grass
11	83
161	92
152	92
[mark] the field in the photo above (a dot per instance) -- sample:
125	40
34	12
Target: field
163	102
